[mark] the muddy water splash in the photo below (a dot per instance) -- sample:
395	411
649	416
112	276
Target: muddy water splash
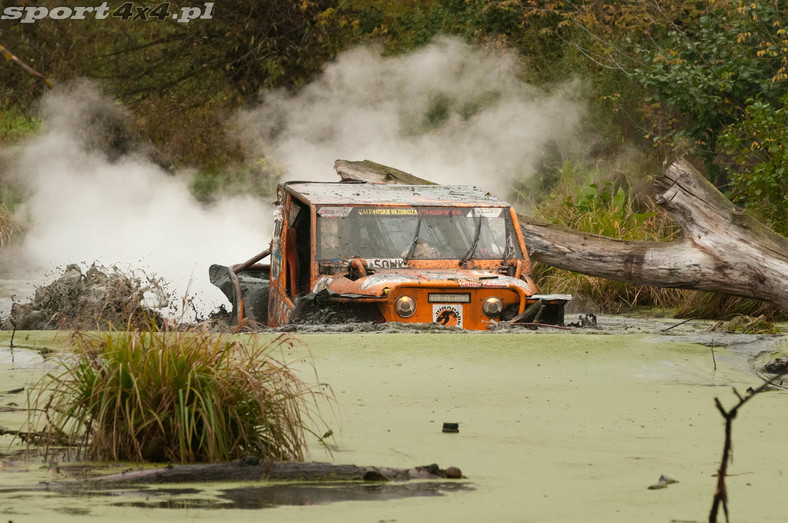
98	297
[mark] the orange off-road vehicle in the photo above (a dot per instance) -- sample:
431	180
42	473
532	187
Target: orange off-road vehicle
349	252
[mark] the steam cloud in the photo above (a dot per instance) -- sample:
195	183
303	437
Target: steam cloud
449	112
85	207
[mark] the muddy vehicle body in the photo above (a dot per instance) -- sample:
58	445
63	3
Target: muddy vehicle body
350	252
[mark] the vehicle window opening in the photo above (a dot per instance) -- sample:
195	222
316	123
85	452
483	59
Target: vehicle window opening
298	248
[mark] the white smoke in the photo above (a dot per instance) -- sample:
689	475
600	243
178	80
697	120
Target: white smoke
129	212
449	112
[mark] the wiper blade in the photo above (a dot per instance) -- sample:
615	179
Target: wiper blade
472	251
509	246
412	246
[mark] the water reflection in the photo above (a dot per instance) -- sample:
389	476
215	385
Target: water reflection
270	496
18	359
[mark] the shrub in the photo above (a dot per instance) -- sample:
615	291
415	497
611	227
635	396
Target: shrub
759	174
148	395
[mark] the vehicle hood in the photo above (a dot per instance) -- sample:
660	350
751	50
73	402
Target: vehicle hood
374	284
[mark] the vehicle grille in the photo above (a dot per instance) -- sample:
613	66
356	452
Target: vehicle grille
449	297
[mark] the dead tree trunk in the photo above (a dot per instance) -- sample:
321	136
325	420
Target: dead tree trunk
722	249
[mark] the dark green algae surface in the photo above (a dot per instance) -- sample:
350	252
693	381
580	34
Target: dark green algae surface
553	426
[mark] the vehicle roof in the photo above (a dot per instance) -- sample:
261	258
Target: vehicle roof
339	193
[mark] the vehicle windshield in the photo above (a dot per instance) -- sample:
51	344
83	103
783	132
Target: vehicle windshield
416	233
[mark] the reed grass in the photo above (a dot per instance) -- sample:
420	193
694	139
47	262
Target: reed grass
700	304
10	229
184	397
752	325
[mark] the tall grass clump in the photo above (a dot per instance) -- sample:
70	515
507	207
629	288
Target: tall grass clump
195	396
583	200
10	229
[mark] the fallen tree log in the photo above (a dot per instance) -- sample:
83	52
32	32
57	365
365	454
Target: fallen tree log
722	248
252	470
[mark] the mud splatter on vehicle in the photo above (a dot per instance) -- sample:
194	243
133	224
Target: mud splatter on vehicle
437	254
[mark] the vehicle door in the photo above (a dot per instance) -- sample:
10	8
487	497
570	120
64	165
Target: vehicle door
279	303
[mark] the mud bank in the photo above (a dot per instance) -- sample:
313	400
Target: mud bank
552	427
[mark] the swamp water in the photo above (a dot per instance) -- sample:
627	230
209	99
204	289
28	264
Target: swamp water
567	426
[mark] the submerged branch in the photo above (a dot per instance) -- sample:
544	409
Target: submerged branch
251	469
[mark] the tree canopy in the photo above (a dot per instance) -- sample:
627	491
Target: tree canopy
704	79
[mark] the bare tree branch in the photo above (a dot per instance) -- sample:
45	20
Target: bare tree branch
721	492
11	57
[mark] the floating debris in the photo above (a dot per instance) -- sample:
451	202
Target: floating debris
663	482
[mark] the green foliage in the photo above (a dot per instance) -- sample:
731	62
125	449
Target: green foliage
605	207
15	125
705	75
149	395
612	209
404	26
759	146
676	73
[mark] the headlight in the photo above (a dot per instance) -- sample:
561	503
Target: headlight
405	306
492	307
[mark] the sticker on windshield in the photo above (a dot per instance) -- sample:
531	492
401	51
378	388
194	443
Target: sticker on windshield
387	211
484	212
334	212
439	211
447	314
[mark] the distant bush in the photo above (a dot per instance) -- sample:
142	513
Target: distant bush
148	395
